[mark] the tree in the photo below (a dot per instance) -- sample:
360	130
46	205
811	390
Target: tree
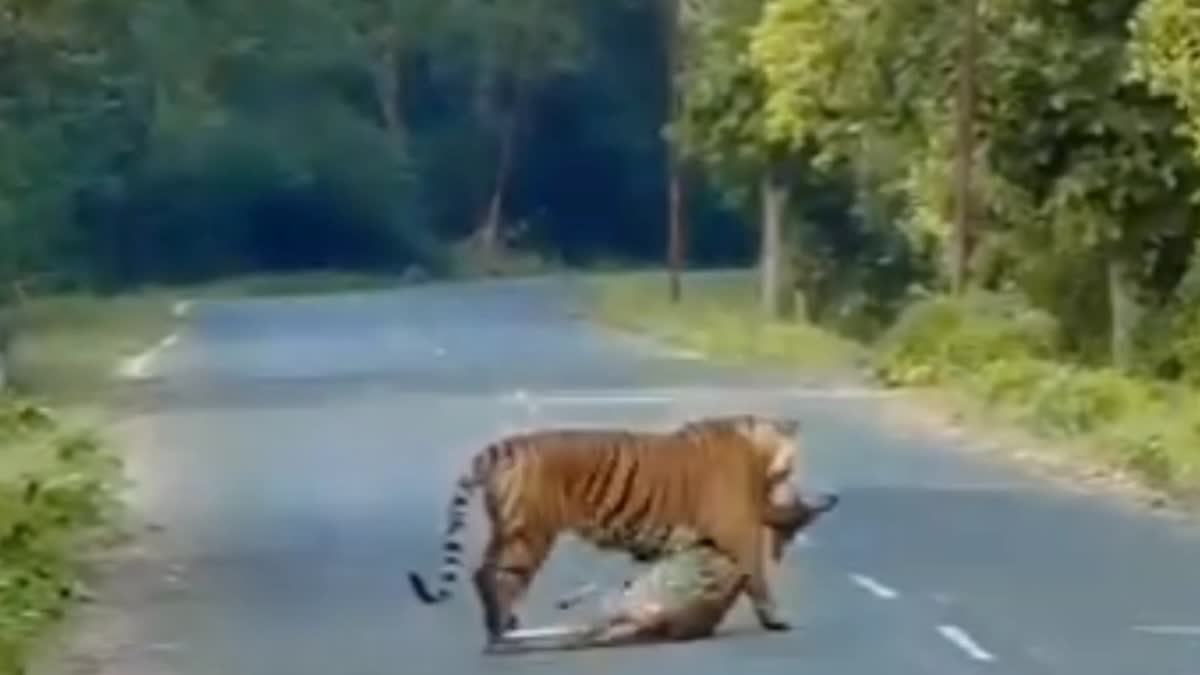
673	15
720	126
964	156
1163	54
68	107
384	35
1090	158
516	46
845	79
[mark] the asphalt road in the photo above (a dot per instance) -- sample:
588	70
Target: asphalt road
298	454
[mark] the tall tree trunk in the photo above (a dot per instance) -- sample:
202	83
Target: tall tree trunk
489	230
387	93
1124	310
676	228
964	234
676	234
775	294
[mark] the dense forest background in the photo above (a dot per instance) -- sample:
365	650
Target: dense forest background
862	153
184	140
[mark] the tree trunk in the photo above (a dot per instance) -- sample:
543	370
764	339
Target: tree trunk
775	291
489	230
387	93
1124	310
963	236
676	234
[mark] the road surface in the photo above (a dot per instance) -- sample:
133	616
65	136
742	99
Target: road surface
295	455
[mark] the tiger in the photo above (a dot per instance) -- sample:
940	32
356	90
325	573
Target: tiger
683	596
619	490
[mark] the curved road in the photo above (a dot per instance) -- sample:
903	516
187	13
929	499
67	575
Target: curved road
294	457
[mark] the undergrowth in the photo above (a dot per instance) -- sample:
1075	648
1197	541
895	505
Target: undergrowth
56	490
1003	354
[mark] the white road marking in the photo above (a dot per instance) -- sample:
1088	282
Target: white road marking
959	638
139	366
1184	631
181	308
874	587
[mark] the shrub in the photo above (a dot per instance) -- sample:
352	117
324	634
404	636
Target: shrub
1162	447
1073	401
1008	381
1169	337
55	486
939	337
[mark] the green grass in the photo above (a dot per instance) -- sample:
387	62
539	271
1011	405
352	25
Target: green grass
65	347
57	494
719	317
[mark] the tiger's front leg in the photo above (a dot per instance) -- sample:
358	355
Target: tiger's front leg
740	535
754	563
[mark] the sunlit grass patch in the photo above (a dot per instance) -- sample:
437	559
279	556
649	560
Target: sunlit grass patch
68	345
719	317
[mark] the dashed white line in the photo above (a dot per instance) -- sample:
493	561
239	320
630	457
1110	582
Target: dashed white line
1184	631
873	587
181	308
959	638
137	367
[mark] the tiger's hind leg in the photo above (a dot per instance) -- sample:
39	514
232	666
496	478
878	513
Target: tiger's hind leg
509	565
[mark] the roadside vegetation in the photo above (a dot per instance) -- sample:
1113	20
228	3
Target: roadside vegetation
57	494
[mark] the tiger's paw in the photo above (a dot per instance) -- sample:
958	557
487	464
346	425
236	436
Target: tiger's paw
771	620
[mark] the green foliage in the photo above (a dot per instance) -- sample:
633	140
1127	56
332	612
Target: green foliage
56	486
1163	54
941	339
1160	445
720	121
1069	402
232	199
1170	336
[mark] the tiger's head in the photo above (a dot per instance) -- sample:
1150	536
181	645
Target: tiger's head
794	514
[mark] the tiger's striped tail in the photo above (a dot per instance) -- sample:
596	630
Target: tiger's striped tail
452	547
